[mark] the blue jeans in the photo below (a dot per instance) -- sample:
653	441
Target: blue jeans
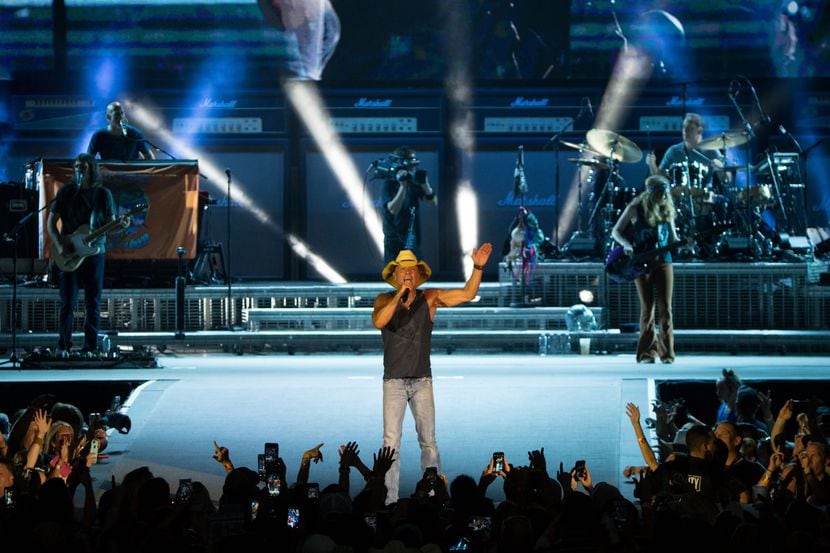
397	393
89	275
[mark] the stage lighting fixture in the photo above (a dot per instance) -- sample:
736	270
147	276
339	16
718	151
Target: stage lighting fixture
308	104
586	296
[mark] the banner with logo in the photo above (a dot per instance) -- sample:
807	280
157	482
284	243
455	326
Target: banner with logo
170	189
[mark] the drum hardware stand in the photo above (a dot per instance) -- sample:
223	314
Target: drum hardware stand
776	178
556	149
581	232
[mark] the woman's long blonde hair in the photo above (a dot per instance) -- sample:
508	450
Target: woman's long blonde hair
657	203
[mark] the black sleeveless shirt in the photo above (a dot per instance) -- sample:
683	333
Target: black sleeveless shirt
407	340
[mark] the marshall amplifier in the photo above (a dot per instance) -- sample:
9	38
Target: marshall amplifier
246	113
390	112
546	112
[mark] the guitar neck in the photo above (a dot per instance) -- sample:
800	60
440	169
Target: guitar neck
92	236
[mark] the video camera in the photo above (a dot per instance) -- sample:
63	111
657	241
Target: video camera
389	166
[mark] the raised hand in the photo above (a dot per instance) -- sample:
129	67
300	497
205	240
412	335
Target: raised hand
488	475
786	412
564	479
537	460
585	479
383	460
42	422
633	413
314	454
349	455
223	456
482	253
766	403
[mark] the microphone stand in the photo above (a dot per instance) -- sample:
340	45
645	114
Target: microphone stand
750	221
168	154
14	236
229	275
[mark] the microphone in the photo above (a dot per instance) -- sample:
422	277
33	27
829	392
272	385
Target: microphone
228	172
123	123
405	295
519	180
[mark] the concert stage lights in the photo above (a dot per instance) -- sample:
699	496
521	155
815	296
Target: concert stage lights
308	104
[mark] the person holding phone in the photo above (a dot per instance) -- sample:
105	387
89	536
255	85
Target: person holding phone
403	190
405	319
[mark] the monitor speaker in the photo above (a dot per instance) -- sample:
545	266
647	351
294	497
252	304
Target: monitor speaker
15	203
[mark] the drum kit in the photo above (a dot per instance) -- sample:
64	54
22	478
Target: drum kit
601	158
709	205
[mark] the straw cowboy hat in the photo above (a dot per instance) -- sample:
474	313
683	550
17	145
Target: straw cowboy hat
406	258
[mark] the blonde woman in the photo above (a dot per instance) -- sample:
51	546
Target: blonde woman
647	224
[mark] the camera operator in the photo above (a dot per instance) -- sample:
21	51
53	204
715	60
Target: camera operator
403	189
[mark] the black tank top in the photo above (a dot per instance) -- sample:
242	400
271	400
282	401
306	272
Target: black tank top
407	341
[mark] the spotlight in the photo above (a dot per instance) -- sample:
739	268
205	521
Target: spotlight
586	296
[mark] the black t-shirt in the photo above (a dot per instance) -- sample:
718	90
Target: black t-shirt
118	147
403	229
76	206
686	475
742	475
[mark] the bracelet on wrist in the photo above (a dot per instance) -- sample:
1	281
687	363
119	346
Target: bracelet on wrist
479	267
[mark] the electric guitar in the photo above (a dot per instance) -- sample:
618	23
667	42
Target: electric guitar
76	246
621	268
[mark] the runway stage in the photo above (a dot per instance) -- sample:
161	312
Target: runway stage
571	405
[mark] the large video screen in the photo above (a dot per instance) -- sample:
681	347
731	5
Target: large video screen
431	40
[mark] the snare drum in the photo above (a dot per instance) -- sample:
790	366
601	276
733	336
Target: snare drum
688	179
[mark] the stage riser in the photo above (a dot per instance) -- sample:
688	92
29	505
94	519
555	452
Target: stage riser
706	295
206	307
481	318
776	343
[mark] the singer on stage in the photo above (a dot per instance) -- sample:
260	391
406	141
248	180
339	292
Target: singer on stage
119	140
401	196
81	201
405	319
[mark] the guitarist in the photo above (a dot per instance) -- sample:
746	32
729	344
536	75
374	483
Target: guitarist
81	201
648	223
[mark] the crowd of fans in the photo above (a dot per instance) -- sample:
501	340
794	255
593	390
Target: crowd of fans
751	481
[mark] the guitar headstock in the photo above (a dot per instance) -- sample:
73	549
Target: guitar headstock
138	208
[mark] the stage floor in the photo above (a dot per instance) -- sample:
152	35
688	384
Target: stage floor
573	406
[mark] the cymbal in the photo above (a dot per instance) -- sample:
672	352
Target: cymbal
728	139
613	145
580	147
592	162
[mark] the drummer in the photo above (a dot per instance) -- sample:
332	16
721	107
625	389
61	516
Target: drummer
689	152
